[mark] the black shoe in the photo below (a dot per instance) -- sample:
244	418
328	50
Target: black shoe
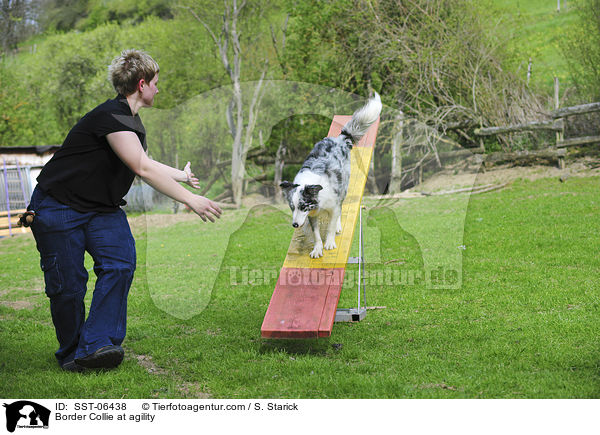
72	366
107	357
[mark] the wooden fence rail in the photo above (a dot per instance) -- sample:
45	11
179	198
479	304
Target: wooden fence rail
586	140
575	110
556	124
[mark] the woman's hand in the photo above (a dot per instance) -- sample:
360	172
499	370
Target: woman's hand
191	179
204	207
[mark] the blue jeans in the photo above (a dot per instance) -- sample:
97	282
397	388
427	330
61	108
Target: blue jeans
62	236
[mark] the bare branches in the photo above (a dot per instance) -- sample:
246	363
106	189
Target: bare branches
241	118
252	111
222	42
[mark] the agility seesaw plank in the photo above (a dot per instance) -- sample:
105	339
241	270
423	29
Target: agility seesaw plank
307	292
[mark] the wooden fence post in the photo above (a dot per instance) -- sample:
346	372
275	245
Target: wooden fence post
559	134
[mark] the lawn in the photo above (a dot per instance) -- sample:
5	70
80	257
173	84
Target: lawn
523	323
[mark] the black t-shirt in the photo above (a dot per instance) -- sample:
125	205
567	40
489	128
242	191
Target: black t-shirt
85	173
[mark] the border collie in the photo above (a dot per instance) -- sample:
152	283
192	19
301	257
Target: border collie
322	183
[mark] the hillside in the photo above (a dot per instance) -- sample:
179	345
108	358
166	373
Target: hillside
535	30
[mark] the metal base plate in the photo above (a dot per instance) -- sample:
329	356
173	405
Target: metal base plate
350	314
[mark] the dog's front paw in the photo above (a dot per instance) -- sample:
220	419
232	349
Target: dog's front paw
338	228
330	244
317	251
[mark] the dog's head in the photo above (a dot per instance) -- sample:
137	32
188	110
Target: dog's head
302	200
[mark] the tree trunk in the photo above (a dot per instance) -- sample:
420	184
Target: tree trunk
237	153
397	139
371	179
279	163
230	51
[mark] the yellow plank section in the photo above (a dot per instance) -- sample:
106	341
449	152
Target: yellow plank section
301	245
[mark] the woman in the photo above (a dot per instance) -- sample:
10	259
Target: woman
77	208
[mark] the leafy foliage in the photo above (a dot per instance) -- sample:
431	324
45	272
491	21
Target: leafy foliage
67	75
62	15
65	15
14	110
582	50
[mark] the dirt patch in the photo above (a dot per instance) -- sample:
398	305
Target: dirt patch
19	305
160	220
26	300
146	362
448	180
187	389
440	386
193	390
36	287
213	332
255	199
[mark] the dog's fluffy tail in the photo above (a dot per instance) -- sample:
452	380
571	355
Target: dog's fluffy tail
362	119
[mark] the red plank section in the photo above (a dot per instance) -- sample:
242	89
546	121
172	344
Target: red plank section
303	304
331	302
368	140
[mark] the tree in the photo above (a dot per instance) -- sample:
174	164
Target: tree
242	111
16	22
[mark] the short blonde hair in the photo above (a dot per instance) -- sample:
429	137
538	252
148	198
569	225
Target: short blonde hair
129	68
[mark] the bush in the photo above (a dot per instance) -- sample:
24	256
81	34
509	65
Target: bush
582	50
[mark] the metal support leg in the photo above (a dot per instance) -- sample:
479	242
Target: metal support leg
5	172
358	313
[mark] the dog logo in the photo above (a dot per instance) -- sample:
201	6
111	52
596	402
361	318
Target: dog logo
26	414
294	277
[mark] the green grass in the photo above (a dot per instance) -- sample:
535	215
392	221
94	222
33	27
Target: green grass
523	324
535	30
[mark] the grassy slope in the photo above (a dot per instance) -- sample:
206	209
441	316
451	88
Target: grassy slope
535	29
523	324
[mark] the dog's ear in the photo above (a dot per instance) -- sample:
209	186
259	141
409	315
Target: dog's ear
286	185
311	190
287	189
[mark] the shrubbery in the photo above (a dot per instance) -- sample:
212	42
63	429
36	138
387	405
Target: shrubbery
582	50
